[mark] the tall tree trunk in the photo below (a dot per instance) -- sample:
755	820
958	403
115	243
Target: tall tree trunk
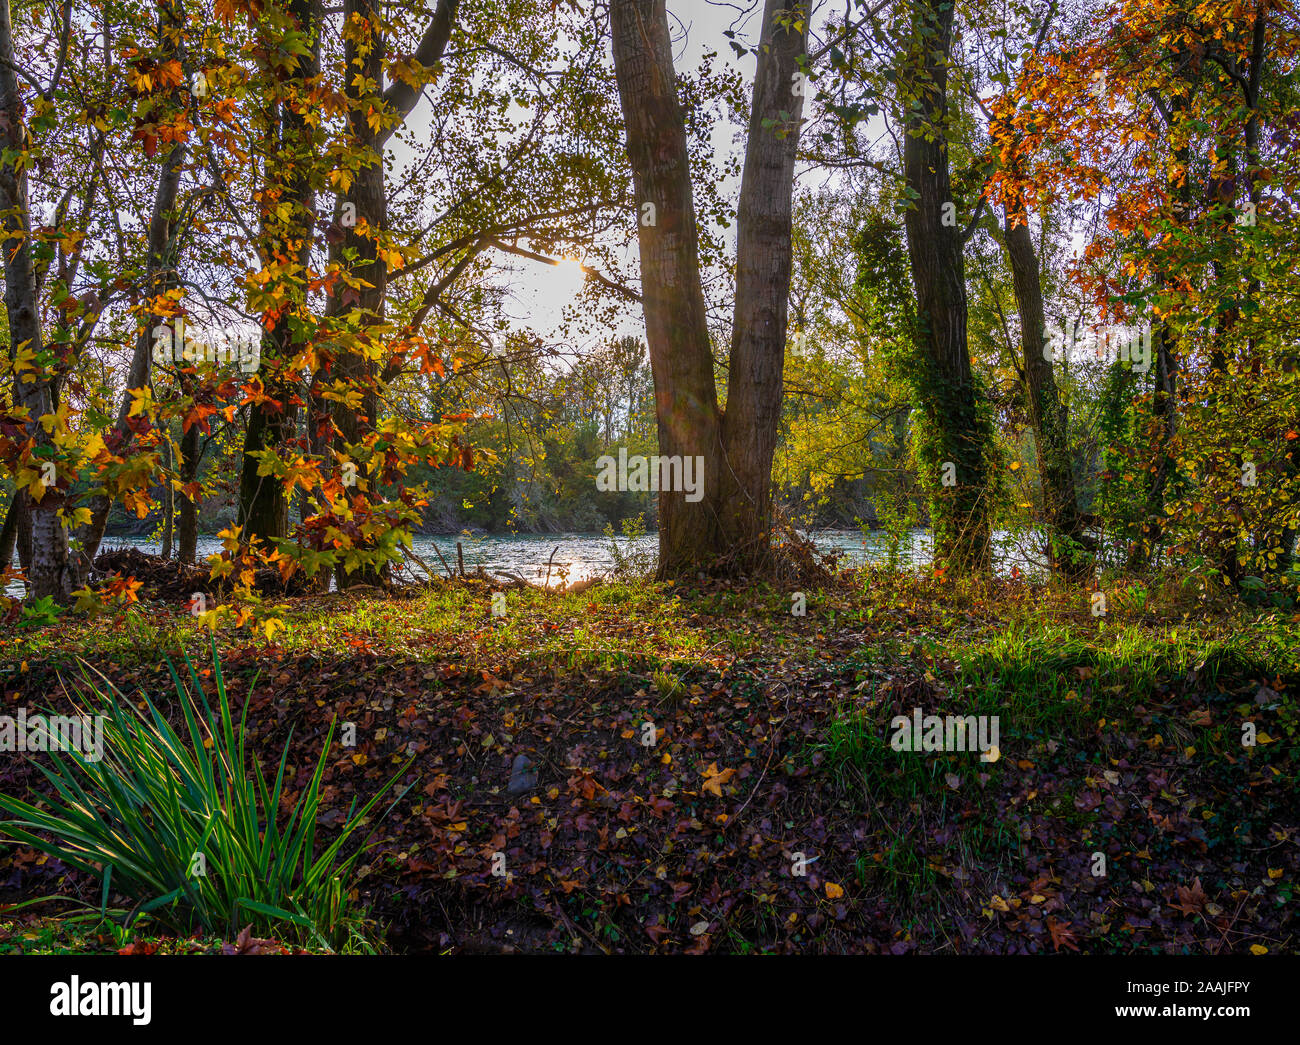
756	371
686	403
956	435
728	527
1162	426
367	200
1068	543
159	276
52	573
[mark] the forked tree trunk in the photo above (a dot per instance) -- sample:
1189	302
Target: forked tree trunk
727	530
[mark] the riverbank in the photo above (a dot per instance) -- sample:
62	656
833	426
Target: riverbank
709	771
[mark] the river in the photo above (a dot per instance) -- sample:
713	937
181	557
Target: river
577	556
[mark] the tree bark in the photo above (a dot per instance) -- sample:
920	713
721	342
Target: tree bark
9	532
686	404
756	371
169	503
187	528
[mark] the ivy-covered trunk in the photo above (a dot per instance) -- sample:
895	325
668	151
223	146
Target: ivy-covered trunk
273	421
953	442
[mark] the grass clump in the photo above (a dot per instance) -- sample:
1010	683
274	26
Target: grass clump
188	827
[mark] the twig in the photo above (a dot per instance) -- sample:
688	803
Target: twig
428	572
442	560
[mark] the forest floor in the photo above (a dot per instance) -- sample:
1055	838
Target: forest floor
715	773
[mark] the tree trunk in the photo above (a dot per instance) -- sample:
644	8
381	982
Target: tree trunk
169	502
956	434
1068	543
686	403
1163	423
756	371
9	533
25	537
159	276
367	199
187	530
52	573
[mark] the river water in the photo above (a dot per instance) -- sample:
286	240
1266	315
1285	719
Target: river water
577	556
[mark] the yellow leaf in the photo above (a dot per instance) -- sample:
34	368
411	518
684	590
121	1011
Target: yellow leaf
1258	948
140	400
833	891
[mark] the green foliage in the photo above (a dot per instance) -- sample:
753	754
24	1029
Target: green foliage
633	564
40	613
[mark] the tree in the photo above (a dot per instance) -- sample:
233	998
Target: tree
728	529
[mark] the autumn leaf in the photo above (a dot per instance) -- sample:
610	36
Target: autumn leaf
1062	935
1191	899
715	778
